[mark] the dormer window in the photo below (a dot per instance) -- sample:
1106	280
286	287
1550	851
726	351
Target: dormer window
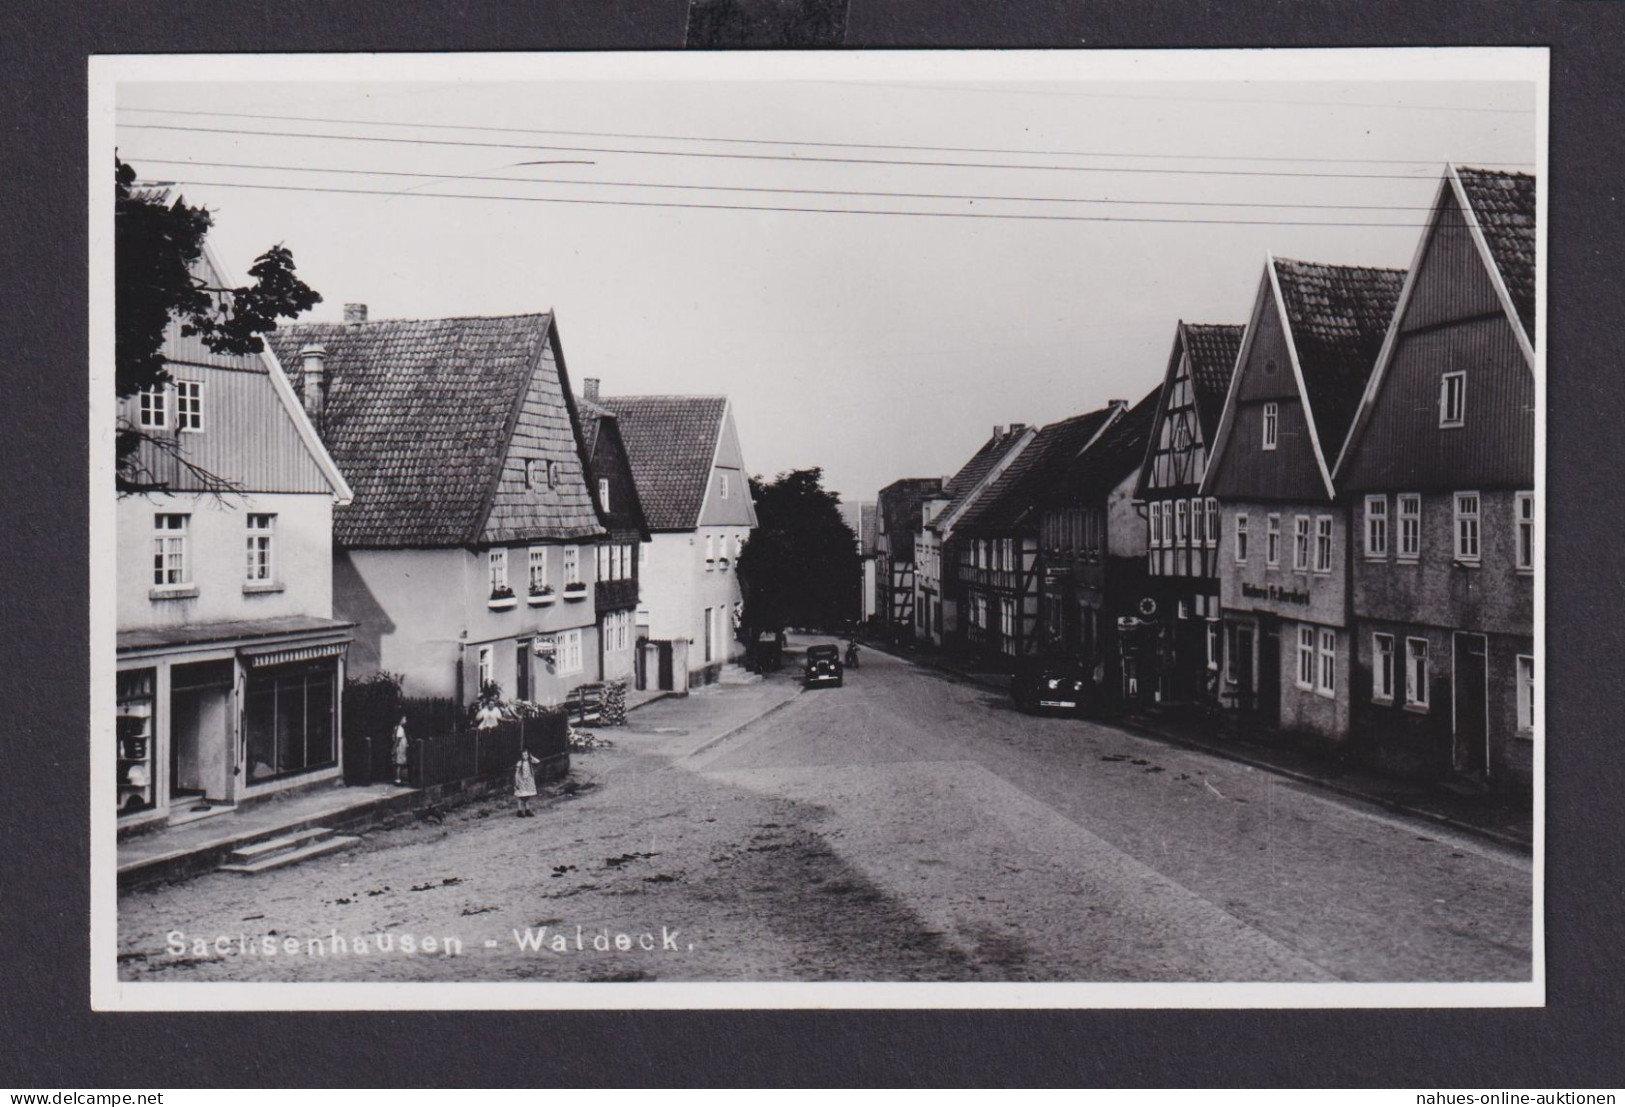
1452	399
1272	424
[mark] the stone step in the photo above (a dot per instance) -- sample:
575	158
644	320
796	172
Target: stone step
305	853
259	850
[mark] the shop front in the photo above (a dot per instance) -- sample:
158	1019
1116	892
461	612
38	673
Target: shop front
210	719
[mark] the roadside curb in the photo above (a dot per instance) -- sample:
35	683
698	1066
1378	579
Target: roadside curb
736	728
1143	730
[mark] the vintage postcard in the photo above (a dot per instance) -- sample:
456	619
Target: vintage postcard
963	529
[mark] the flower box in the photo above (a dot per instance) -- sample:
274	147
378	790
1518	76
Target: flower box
502	599
576	590
543	598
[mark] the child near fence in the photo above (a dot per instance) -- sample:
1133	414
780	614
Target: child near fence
524	783
398	752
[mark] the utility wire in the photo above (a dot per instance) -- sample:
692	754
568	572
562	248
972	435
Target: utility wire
800	142
778	157
432	177
766	208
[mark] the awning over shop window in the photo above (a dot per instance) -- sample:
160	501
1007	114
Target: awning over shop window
262	656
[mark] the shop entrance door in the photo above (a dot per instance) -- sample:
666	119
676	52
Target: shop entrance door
1469	684
200	738
1246	688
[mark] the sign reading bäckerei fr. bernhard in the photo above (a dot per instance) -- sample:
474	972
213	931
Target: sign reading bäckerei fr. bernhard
1274	592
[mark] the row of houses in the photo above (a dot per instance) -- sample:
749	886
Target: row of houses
1322	518
426	497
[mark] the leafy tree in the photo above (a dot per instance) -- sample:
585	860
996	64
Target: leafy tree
157	247
801	565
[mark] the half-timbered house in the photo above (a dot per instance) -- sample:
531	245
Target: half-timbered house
997	540
1309	348
1180	623
897	515
1439	471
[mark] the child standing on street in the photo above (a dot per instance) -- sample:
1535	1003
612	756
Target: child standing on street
398	753
524	783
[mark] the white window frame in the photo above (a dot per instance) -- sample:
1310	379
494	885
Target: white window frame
603	494
189	407
1212	522
1302	535
1469	530
531	464
497	568
1323	544
1182	530
722	485
1526	695
1305	676
1416	682
486	667
1272	425
172	550
1154	518
153	405
1409	510
1231	648
1215	644
1523	536
1382	668
1241	538
572	565
1326	675
567	651
1272	541
536	567
1453	415
261	566
1376	527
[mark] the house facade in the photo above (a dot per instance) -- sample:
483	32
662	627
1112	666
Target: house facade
936	606
1179	630
609	474
897	514
997	541
1092	549
692	483
1309	348
230	662
469	554
1439	472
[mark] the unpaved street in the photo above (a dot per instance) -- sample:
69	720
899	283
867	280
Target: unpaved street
905	827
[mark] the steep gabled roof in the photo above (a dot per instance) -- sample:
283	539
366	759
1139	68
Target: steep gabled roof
419	414
1009	502
1336	317
1212	348
671	442
598	423
1504	206
1118	452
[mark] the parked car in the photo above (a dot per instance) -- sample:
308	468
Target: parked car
823	667
1052	682
769	651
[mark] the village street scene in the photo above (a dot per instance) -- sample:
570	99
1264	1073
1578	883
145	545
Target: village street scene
559	539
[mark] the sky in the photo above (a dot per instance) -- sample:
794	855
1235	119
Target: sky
877	346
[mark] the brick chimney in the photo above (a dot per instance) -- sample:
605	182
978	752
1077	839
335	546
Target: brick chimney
589	389
313	359
998	430
1017	428
355	314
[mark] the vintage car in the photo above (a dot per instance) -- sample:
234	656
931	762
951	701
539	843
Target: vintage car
823	667
1052	682
769	651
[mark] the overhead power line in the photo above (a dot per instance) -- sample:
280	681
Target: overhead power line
1030	216
805	142
776	157
431	177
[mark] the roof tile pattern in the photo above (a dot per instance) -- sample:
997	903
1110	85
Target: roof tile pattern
418	416
1505	206
1009	502
1338	316
670	441
1212	348
963	484
1118	453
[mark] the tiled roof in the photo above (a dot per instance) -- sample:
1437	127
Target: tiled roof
1339	315
591	415
670	441
962	485
1119	452
1009	502
1213	348
418	416
1505	206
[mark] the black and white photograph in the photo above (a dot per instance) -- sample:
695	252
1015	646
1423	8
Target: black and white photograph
968	529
